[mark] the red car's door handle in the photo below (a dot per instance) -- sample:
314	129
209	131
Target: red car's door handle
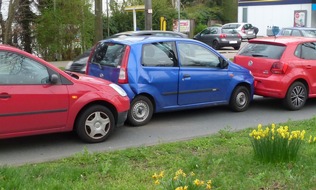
5	96
308	66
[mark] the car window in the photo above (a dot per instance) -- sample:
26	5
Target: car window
108	54
193	55
205	31
229	31
247	26
306	51
213	31
232	26
296	33
309	33
263	50
18	69
159	55
286	32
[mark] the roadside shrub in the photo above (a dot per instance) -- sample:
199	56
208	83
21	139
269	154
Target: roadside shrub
312	140
180	181
276	145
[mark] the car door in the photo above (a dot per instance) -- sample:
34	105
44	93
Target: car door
27	101
307	53
200	78
158	74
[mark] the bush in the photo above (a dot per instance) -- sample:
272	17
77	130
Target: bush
199	28
276	145
180	181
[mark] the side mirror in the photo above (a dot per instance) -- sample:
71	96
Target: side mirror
54	79
223	63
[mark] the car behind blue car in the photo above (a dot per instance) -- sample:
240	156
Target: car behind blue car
168	74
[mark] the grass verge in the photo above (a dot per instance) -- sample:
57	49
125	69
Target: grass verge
226	158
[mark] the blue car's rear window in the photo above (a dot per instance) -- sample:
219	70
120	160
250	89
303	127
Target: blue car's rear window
108	54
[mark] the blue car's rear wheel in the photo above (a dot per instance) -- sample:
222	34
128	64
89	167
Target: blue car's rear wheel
140	112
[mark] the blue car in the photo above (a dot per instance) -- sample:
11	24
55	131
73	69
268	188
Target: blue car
162	74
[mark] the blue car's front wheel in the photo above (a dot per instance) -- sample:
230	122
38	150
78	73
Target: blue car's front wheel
140	112
240	99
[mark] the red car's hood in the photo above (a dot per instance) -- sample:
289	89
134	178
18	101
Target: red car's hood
88	79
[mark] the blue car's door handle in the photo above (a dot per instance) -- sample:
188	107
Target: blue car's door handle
186	77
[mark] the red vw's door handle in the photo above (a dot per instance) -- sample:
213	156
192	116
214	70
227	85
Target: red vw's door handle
308	66
5	96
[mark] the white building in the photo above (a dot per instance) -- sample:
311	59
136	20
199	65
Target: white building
282	13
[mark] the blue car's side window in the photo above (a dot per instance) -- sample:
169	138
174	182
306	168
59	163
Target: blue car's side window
194	55
159	55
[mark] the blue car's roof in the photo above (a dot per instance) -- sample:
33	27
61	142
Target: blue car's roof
130	40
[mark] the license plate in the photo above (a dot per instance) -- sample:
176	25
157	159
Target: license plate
233	42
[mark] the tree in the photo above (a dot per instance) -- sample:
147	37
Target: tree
6	23
64	28
25	18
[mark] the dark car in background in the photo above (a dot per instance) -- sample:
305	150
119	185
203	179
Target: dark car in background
79	63
298	31
218	37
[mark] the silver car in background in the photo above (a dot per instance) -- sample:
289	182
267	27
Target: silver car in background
246	30
298	31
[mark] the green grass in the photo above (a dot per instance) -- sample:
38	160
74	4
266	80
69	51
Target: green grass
226	158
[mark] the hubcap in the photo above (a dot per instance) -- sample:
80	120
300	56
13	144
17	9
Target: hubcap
97	125
140	111
298	96
241	99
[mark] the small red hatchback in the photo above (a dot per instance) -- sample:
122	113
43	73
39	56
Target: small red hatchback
283	67
38	98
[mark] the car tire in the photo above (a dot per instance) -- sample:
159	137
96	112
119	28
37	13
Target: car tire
240	99
215	44
140	112
236	47
296	96
95	124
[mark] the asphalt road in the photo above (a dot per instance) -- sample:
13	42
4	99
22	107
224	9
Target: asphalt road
164	127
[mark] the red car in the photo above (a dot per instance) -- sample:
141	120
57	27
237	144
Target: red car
283	67
37	98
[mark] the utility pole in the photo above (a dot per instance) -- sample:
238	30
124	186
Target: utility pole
107	17
98	21
148	15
